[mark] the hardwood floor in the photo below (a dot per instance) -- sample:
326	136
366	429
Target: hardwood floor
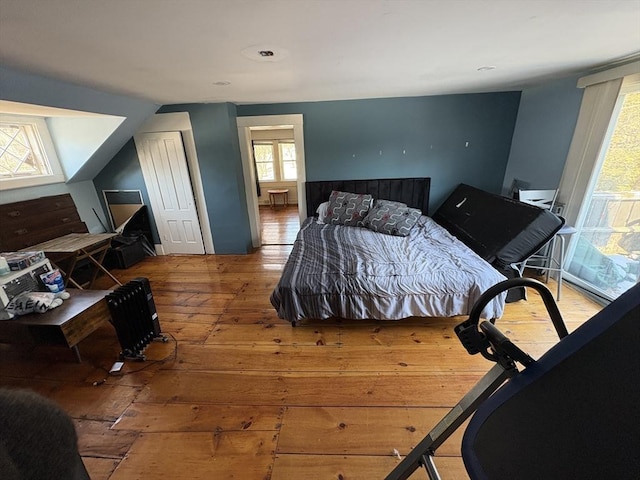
279	226
239	393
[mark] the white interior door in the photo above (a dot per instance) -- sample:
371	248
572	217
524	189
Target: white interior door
165	171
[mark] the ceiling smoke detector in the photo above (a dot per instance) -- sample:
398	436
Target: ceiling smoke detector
265	53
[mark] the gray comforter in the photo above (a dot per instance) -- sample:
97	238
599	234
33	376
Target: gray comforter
354	273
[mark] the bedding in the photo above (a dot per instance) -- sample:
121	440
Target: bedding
356	273
439	269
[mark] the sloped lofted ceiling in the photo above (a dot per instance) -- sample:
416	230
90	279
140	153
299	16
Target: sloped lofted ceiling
273	51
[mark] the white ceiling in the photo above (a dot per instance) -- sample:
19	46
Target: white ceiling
174	51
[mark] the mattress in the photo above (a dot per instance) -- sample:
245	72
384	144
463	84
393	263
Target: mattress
354	273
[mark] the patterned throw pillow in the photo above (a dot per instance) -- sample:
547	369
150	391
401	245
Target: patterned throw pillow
392	218
348	208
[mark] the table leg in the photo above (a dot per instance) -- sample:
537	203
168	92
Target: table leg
98	264
71	268
76	351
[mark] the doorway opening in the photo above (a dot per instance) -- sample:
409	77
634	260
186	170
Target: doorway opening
272	150
274	156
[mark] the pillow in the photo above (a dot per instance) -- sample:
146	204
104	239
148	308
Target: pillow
392	218
322	211
389	203
348	208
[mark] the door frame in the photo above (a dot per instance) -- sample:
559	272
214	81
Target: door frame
181	122
244	135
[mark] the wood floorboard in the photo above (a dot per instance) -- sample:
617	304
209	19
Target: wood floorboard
313	388
273	334
327	358
238	393
153	417
355	467
199	456
100	468
360	430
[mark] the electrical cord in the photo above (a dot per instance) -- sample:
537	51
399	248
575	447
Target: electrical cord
172	356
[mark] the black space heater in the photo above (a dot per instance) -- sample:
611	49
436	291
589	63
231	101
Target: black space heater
134	316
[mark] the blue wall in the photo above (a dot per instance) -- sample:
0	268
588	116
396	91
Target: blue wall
421	136
546	120
124	173
452	139
216	136
400	137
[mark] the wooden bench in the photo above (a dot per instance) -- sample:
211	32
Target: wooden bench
34	221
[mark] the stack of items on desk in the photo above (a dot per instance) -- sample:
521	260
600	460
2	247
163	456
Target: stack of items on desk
17	261
28	284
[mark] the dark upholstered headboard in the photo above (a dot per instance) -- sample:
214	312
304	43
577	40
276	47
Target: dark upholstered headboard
412	191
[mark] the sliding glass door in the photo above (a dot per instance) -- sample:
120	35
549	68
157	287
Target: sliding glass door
604	256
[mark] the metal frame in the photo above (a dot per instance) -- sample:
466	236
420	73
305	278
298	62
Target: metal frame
478	337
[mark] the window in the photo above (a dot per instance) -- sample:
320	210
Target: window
27	155
275	160
288	160
263	153
600	185
606	254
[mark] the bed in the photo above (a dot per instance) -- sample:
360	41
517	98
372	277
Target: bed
351	272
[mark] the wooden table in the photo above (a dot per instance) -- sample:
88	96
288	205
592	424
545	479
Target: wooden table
71	322
273	194
74	247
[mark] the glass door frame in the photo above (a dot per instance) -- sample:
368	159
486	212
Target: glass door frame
584	209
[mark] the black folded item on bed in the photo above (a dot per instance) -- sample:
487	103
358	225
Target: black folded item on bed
499	229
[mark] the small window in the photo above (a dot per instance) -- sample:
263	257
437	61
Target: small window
275	160
27	155
288	159
263	153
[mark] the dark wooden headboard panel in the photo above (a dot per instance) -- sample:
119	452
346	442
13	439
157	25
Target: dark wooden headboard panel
34	221
412	191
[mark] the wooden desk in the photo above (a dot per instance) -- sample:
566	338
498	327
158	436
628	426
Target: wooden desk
73	321
74	247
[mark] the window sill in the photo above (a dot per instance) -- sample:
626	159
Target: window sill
13	183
